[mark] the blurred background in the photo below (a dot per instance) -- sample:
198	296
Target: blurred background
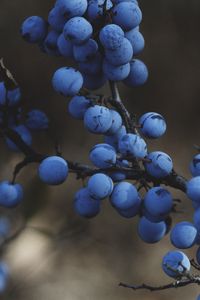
88	258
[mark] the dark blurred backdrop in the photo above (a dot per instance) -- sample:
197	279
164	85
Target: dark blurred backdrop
89	258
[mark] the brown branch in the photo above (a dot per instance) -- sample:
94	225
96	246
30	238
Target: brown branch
175	284
82	171
16	138
195	264
183	279
174	180
117	102
37	158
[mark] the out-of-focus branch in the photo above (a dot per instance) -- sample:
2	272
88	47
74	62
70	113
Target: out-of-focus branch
7	77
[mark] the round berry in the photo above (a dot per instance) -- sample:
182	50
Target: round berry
67	81
53	170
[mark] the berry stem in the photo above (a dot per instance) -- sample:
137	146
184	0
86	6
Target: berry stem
117	102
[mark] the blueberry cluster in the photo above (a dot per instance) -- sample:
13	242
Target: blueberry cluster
117	152
185	235
101	36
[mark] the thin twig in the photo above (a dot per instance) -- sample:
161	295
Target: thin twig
175	284
117	102
195	264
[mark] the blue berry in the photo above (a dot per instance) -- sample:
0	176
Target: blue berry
65	47
78	30
195	166
111	36
195	205
86	51
98	119
132	211
92	82
25	135
158	202
119	1
136	39
127	15
4	276
153	125
120	175
160	164
175	263
151	232
153	218
138	73
49	45
93	66
72	8
10	194
37	120
116	73
193	189
133	144
183	235
78	106
56	19
2	93
95	9
121	55
85	205
124	196
100	186
103	156
5	226
53	170
198	255
12	97
116	122
196	220
67	81
20	193
34	29
113	140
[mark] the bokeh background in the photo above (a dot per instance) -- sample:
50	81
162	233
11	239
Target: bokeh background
75	259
